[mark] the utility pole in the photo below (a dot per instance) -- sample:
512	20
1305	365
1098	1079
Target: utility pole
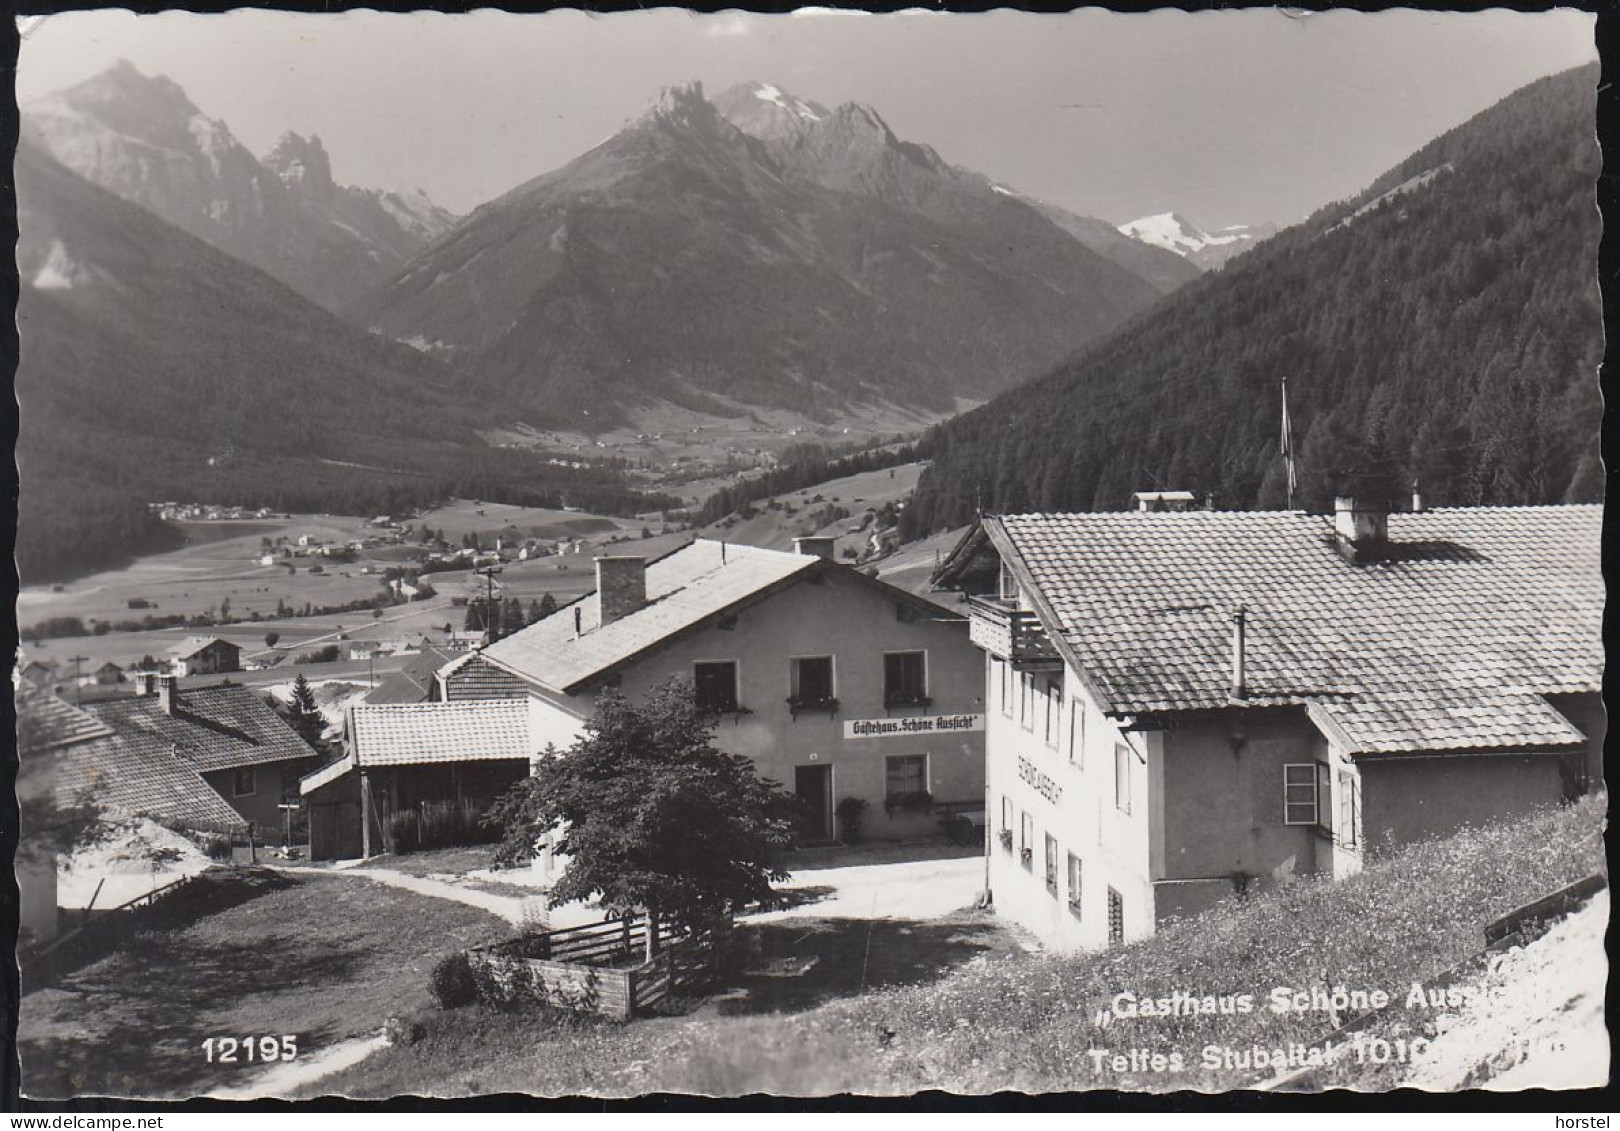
489	573
78	674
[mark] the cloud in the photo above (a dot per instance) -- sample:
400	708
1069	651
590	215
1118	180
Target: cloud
729	26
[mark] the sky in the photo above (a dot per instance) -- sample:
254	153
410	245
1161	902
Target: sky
1225	117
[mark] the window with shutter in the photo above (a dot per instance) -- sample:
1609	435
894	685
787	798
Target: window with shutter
1299	793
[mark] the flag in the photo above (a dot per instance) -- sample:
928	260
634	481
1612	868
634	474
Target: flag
1287	445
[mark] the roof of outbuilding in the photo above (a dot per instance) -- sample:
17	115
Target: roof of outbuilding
394	734
1449	642
684	588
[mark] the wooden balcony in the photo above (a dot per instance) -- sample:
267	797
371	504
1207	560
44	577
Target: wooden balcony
1010	633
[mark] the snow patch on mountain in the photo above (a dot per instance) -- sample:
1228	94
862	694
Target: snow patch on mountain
765	92
1173	232
59	272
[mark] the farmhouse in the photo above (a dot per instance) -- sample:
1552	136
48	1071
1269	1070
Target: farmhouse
205	655
109	673
207	758
39	672
837	685
1182	705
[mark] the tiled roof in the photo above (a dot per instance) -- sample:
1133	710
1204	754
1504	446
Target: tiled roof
418	733
191	645
57	722
413	682
212	728
695	582
126	773
1449	643
151	763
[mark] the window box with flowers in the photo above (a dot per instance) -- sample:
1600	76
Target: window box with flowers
1005	836
1026	856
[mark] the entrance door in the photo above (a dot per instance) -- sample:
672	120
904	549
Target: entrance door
813	784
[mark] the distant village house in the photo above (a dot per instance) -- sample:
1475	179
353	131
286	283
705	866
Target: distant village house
205	655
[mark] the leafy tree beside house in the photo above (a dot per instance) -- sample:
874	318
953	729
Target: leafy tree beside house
652	817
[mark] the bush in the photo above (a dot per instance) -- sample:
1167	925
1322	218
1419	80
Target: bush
452	981
406	1030
438	824
217	847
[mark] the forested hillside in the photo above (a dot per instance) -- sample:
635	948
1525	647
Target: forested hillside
154	367
1444	326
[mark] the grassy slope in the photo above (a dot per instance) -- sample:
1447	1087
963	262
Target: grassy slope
325	958
859	493
1025	1022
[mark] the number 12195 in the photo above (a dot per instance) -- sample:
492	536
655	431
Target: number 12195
249	1050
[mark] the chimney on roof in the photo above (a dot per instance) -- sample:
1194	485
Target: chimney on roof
817	546
621	586
1240	624
1164	500
168	689
1360	527
145	683
1417	498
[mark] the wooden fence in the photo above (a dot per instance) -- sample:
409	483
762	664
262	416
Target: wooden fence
96	933
597	969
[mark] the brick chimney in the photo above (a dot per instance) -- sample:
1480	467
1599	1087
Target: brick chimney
817	546
168	690
1360	528
621	586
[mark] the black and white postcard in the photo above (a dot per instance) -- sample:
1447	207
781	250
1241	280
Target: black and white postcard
808	554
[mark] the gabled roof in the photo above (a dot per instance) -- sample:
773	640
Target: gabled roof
212	728
55	722
191	645
150	763
412	683
127	773
1449	643
685	589
396	734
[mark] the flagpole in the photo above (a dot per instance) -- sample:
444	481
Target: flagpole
1288	443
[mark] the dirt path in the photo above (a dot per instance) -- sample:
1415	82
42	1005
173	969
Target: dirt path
286	1078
